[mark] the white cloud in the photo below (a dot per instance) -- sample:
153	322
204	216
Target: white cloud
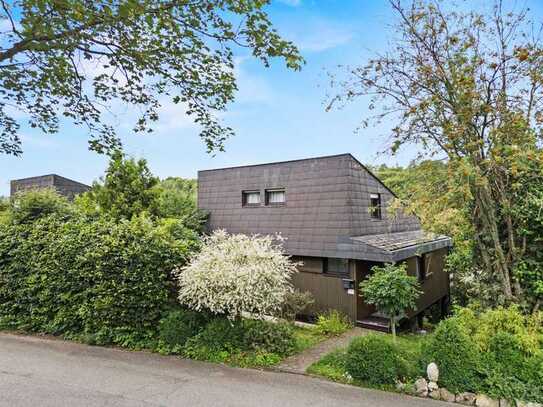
322	35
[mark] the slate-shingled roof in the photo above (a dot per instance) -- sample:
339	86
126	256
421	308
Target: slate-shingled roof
401	240
326	210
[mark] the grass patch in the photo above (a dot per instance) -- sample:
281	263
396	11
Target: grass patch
306	338
332	366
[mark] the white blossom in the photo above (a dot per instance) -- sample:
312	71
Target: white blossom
237	273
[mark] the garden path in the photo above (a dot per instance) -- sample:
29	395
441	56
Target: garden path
300	362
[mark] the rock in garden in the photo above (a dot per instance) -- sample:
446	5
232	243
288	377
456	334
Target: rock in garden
400	386
433	372
446	395
434	395
467	398
527	404
506	403
485	401
432	386
421	387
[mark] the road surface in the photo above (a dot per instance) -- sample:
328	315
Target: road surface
45	372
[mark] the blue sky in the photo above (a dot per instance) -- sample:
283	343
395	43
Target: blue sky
278	114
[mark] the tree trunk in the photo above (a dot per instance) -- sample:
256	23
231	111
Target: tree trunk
489	241
393	328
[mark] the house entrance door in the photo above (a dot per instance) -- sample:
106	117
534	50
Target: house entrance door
363	310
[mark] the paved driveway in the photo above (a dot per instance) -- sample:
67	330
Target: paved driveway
41	372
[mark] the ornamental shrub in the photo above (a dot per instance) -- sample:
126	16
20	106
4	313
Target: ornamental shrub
333	322
376	360
456	354
179	325
25	207
296	303
235	274
269	337
217	341
222	338
80	277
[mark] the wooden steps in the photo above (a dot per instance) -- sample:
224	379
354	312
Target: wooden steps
375	323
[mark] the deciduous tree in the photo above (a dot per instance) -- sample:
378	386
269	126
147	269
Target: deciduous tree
391	290
73	58
466	86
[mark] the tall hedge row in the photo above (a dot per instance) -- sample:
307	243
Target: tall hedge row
75	275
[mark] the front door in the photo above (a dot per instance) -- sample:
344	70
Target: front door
363	310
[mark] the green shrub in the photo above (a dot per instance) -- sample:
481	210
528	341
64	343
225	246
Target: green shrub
26	207
456	354
296	303
220	337
223	335
269	337
333	323
376	360
180	325
80	276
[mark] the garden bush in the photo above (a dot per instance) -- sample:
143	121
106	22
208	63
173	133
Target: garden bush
95	279
456	354
179	325
296	303
377	360
269	337
236	274
333	322
223	340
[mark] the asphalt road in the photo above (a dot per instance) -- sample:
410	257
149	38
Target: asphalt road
44	372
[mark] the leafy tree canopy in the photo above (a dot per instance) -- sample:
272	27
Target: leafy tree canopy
72	58
391	290
467	86
126	190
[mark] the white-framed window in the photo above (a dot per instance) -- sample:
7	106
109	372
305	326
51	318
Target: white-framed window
250	198
276	196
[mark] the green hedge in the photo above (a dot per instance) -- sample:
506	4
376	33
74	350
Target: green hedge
97	279
377	360
456	354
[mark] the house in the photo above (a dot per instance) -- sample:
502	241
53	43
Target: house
64	186
333	213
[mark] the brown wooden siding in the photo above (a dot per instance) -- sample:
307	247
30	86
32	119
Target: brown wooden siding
436	285
328	292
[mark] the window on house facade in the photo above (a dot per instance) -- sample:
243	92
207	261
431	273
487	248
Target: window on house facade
250	198
375	206
275	196
337	267
309	264
420	267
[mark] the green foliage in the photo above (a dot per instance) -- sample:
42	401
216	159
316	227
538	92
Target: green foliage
482	327
296	303
377	360
456	354
176	198
269	337
242	342
333	323
391	290
25	207
177	326
332	366
126	190
438	83
141	53
87	277
483	353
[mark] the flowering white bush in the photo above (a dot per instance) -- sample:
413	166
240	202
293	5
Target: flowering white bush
234	274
